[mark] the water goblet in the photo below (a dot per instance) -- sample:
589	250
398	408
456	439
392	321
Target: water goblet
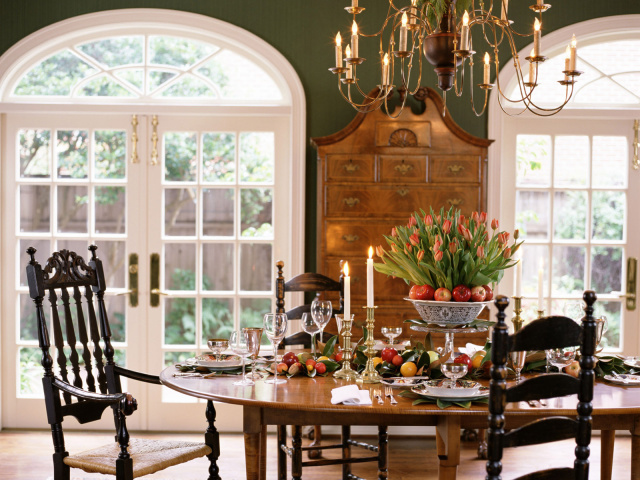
391	333
275	326
311	327
517	360
454	371
217	346
321	311
254	339
238	341
561	357
574	309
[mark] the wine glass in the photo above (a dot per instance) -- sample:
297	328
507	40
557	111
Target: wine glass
321	311
311	327
239	343
217	346
454	371
561	357
254	338
574	309
275	326
517	360
391	333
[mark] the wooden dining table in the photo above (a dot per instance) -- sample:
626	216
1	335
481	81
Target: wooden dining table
307	401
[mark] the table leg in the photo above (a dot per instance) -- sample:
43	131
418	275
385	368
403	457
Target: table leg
635	449
212	439
263	453
607	442
252	429
448	446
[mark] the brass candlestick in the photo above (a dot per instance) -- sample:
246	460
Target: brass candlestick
369	375
517	320
346	371
540	313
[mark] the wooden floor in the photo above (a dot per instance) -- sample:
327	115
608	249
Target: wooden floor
25	455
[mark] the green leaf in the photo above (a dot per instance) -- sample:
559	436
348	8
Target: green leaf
328	348
331	365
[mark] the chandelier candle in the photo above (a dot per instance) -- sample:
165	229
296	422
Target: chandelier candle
572	53
403	33
385	70
567	62
370	278
338	50
414	13
536	37
503	13
464	33
487	69
532	70
347	54
354	39
347	291
354	3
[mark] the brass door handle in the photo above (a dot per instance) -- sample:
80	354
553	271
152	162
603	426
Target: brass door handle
455	169
632	271
154	140
154	280
134	139
128	292
351	201
133	281
350	238
157	291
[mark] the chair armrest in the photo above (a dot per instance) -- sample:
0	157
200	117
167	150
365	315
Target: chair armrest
142	377
108	398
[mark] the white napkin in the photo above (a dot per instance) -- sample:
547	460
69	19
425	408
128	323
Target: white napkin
350	395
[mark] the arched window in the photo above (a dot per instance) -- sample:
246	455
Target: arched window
179	141
568	182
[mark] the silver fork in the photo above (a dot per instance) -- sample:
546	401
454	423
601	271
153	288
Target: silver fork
389	393
378	394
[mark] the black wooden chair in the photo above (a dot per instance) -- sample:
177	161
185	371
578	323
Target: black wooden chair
543	334
316	283
86	380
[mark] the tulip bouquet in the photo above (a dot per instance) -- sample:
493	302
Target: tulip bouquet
446	249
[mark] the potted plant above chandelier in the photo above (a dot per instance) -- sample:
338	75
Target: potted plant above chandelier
441	31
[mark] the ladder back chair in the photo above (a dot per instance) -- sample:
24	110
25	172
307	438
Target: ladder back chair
543	334
316	283
85	381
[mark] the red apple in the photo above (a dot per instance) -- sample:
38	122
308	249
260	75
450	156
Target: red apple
282	367
464	359
338	357
442	295
478	294
321	367
489	292
289	358
397	360
573	369
388	354
461	293
421	292
310	363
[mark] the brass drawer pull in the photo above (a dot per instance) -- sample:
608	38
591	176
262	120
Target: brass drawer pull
351	201
350	238
403	168
402	192
351	167
455	202
455	169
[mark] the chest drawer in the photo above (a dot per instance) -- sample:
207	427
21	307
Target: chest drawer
403	168
350	168
398	199
455	168
354	238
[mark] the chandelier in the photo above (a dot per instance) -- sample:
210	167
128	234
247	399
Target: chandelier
441	30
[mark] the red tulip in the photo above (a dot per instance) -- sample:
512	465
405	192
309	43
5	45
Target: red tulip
420	255
483	217
461	220
394	248
480	251
516	234
475	217
412	222
453	246
507	253
379	251
495	224
428	220
446	226
414	239
393	232
408	248
503	238
437	256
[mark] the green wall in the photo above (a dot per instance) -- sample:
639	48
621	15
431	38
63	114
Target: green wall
303	31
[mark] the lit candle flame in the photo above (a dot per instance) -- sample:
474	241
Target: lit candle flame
347	52
574	42
405	19
533	53
354	28
465	18
338	39
346	269
536	25
370	252
486	58
386	59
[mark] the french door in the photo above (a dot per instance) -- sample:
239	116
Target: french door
193	218
569	186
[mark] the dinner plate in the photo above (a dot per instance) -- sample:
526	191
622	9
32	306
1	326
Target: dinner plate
480	394
440	388
399	382
624	379
633	362
208	360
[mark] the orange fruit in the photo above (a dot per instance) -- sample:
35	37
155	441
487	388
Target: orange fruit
408	369
477	358
377	361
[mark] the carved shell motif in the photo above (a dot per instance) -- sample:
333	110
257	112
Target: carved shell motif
67	267
403	137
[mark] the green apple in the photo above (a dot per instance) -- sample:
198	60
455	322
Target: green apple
433	356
